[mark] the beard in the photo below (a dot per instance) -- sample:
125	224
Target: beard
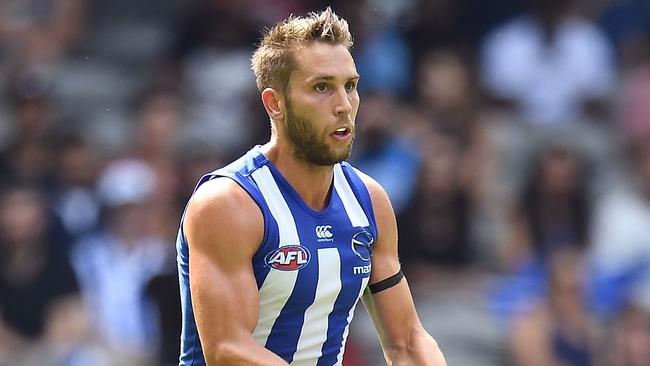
308	145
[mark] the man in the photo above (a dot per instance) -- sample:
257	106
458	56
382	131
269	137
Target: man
276	249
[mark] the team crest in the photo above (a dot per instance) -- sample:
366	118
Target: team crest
288	258
362	245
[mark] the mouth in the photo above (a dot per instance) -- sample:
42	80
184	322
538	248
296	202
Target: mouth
342	133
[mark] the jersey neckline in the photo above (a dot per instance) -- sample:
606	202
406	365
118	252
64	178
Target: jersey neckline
284	184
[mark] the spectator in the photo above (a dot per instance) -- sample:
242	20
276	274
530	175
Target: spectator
115	264
38	289
74	198
436	224
548	64
448	101
26	158
621	253
556	330
552	215
554	210
159	120
445	94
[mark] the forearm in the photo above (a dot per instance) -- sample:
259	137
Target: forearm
241	354
420	349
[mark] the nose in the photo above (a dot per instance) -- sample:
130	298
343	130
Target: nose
343	102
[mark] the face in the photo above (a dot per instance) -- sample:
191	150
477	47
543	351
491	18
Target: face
321	104
22	216
444	81
560	170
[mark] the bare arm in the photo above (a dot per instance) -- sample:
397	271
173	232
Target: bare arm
224	228
403	338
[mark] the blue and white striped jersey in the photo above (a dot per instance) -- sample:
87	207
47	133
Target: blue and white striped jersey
311	267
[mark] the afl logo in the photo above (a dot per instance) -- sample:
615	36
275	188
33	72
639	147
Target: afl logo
362	245
288	258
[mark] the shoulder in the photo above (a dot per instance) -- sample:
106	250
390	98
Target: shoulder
381	205
376	191
221	209
384	258
218	193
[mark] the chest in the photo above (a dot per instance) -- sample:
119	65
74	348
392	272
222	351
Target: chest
320	244
324	258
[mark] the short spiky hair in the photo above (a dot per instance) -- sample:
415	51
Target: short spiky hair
273	60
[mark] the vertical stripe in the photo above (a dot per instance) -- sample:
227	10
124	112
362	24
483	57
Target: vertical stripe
352	207
339	357
314	333
284	336
278	285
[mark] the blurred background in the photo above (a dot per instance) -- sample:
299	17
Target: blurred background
513	137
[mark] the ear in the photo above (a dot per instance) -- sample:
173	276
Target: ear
273	103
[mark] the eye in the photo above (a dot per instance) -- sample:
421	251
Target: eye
321	87
350	86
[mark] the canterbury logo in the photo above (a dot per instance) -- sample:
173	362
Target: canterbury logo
323	232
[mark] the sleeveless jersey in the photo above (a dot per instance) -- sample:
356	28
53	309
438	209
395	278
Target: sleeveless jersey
311	267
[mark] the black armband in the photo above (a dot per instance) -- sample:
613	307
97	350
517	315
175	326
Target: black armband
386	283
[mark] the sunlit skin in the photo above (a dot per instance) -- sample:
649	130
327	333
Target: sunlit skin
310	145
321	97
322	93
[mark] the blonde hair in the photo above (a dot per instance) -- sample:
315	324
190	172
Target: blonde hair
273	61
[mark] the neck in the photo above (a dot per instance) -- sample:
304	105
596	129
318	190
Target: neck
312	182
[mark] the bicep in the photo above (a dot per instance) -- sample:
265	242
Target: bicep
224	298
385	261
223	233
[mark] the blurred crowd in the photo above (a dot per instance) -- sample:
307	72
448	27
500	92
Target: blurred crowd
513	139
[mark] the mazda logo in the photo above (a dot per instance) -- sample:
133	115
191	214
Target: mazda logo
362	245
